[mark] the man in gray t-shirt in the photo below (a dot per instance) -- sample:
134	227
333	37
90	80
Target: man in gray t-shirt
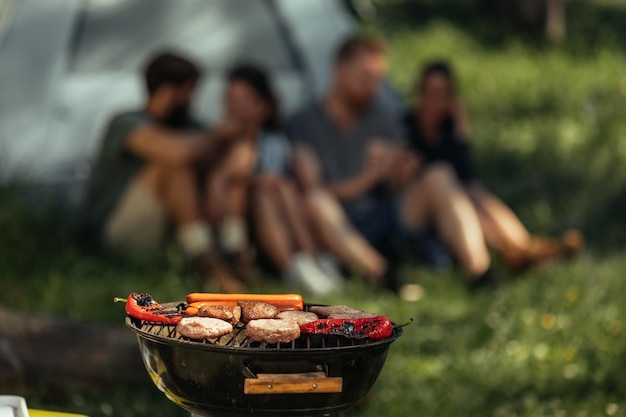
342	152
362	162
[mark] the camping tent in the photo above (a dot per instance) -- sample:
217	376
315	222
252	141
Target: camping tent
66	66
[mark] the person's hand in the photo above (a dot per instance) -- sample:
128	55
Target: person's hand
378	160
227	133
405	167
232	129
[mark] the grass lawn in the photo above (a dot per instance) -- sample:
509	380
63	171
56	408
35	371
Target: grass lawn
548	133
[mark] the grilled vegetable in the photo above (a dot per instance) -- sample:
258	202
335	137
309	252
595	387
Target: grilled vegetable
143	307
282	301
378	327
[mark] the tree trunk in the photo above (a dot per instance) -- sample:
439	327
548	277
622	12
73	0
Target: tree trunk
535	16
555	20
44	348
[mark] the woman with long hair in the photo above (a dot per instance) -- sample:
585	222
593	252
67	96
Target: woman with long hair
279	215
438	131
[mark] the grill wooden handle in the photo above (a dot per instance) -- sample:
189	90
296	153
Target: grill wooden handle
301	383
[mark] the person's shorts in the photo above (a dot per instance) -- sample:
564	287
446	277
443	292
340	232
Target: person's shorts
376	219
137	225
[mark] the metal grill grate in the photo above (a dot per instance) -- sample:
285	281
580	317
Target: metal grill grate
239	338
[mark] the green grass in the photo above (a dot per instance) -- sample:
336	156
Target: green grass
549	135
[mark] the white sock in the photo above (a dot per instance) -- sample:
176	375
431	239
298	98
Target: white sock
195	239
233	235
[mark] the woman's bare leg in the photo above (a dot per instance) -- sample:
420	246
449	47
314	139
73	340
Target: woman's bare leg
294	219
226	201
227	183
506	234
268	221
502	228
437	197
215	189
240	168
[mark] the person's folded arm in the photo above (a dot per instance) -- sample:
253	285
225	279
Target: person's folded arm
165	146
349	189
171	147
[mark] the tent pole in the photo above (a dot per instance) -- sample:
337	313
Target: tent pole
294	53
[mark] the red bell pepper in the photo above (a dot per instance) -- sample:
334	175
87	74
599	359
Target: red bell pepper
143	307
378	327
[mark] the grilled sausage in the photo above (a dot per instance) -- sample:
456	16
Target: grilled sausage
254	310
282	301
273	331
298	317
203	327
227	313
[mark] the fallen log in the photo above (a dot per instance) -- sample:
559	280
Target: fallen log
41	347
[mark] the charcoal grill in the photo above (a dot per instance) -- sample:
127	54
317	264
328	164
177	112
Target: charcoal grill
233	376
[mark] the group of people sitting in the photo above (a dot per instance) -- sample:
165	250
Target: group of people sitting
341	184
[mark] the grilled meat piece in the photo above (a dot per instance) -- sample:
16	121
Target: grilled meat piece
298	317
273	331
254	310
325	311
203	327
359	315
227	313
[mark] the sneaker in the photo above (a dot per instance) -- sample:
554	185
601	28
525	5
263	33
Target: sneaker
233	235
305	273
328	264
195	239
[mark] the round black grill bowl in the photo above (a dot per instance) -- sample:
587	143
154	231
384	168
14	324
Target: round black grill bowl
209	380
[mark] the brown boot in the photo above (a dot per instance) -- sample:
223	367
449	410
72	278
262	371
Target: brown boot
517	260
568	246
573	243
541	250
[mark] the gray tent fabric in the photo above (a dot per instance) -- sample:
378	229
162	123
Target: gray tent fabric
31	63
66	66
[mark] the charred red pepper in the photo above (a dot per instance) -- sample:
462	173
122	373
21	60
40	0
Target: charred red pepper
144	307
378	327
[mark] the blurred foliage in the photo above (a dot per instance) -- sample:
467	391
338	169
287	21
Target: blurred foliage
591	24
548	137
